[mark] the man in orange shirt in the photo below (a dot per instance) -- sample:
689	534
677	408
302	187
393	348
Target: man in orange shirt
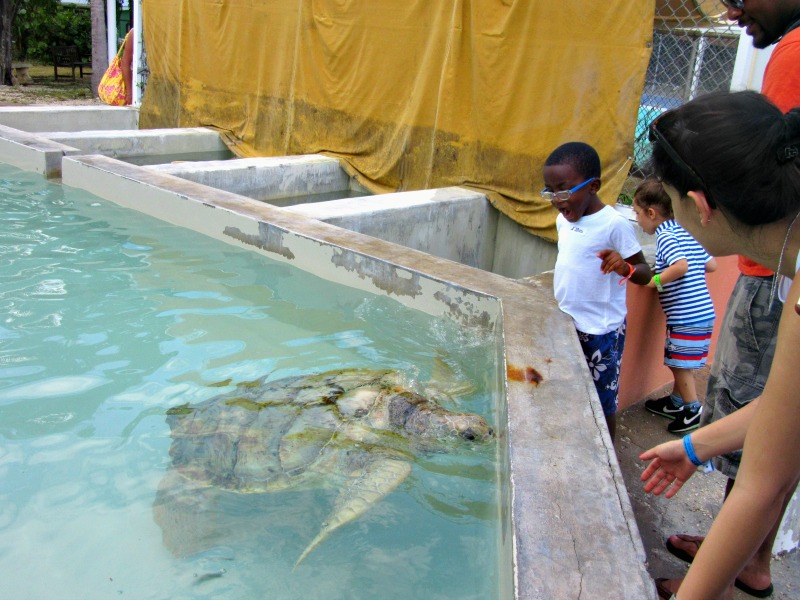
748	335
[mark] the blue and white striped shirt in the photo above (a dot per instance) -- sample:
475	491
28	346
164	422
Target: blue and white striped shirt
685	300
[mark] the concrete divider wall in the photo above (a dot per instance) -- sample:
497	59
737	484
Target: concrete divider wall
31	152
146	142
452	223
69	118
268	177
520	254
467	231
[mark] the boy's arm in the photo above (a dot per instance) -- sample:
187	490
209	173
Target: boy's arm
711	265
612	261
672	273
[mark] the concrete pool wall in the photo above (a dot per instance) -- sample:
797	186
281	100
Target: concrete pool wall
161	145
449	223
269	178
69	118
455	223
573	533
48	133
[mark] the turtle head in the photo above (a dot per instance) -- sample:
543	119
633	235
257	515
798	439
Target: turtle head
463	426
422	418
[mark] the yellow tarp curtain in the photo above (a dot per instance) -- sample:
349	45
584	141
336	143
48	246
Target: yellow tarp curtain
409	94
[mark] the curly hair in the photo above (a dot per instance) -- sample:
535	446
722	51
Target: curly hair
582	157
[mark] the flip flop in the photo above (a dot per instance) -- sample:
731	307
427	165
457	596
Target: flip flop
680	553
663	592
765	593
686	557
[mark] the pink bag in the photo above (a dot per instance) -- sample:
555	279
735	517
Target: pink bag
112	86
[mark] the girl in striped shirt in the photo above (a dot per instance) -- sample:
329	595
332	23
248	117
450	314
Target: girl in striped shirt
681	267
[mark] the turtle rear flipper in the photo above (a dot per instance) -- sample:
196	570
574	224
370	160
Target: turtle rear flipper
366	486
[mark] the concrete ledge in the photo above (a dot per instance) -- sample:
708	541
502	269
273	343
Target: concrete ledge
425	220
32	153
267	178
69	118
452	223
141	143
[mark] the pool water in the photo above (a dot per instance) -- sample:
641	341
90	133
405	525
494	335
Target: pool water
108	318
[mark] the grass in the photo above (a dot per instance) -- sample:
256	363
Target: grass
46	90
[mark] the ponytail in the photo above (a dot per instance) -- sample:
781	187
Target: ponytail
789	148
743	149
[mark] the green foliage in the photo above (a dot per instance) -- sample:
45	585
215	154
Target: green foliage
42	24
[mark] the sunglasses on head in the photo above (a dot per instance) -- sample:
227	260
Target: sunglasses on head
737	4
658	137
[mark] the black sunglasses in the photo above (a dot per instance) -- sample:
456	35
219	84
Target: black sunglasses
658	137
737	4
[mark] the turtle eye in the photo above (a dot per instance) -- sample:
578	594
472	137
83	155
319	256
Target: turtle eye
361	412
468	434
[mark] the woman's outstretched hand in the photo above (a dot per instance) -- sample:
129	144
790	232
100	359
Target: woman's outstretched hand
669	470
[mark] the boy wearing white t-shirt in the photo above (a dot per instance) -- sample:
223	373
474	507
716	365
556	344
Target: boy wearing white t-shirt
592	240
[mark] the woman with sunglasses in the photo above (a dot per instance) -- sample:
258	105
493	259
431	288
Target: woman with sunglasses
746	342
731	165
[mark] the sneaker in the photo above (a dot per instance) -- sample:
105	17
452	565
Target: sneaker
688	420
663	407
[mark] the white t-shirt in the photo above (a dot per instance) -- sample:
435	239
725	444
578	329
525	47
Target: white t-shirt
596	302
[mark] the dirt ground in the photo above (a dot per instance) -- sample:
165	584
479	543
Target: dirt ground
46	90
32	94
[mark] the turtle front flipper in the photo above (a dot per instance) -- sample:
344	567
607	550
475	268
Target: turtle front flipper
366	486
184	511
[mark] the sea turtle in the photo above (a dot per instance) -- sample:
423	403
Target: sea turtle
354	429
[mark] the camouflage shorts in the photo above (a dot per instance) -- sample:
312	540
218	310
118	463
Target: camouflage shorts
745	349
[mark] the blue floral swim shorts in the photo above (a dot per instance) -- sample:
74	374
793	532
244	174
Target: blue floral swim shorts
603	355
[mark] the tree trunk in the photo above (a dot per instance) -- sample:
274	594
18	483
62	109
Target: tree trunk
99	43
7	10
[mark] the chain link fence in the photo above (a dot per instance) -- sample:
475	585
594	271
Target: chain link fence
694	50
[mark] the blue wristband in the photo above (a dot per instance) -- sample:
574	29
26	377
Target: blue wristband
687	445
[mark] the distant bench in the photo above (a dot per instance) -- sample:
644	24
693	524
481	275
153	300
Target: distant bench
67	57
